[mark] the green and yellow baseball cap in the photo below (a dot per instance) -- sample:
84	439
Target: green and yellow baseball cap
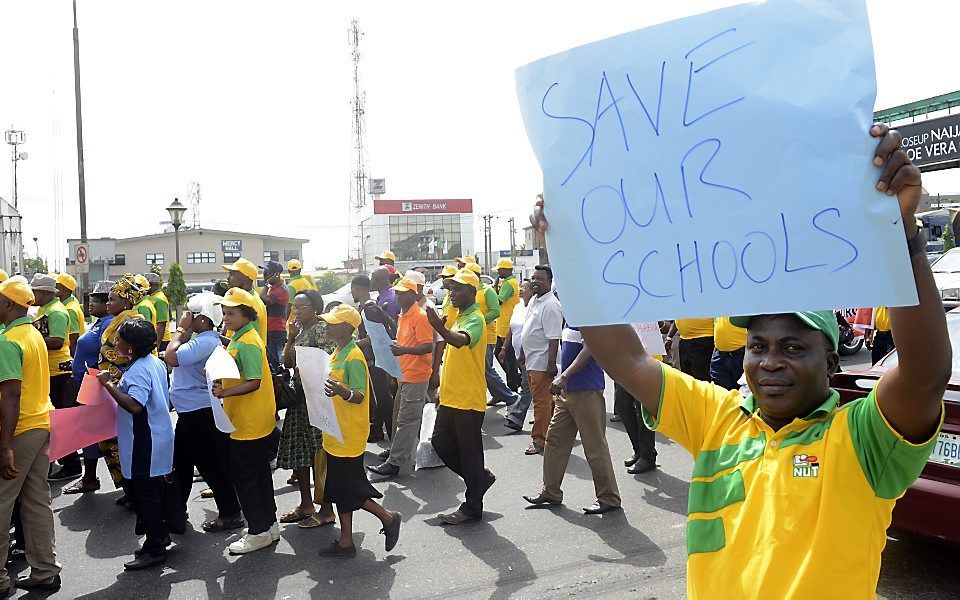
824	321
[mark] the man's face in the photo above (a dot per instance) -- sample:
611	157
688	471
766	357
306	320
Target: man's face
462	295
6	307
788	366
504	273
238	279
63	292
42	297
540	283
406	299
357	292
269	277
97	305
155	287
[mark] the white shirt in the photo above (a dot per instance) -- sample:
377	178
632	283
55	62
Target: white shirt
516	326
543	322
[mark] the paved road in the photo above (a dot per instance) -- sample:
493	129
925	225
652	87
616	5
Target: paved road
560	553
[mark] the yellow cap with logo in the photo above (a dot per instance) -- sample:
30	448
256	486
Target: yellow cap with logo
18	290
473	267
294	265
66	280
504	263
342	314
238	297
406	285
448	271
467	277
386	254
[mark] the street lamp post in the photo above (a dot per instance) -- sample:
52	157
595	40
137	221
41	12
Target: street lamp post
176	212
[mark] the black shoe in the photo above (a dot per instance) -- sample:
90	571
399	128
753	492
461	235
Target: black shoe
539	501
630	461
62	473
384	454
140	551
392	531
642	465
26	583
511	425
145	561
598	508
386	470
335	550
457	517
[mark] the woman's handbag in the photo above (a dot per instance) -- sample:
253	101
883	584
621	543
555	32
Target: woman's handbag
287	390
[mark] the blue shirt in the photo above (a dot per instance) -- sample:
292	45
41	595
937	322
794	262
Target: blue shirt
188	388
145	440
590	377
88	347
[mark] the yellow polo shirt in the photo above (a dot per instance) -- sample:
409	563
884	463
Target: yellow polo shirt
786	514
77	320
881	319
23	356
53	320
509	296
463	383
349	367
299	283
489	305
146	310
691	329
161	307
728	337
252	414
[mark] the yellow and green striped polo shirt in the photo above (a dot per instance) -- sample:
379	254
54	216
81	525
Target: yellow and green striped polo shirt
791	513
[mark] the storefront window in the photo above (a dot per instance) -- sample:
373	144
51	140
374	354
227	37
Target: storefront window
425	237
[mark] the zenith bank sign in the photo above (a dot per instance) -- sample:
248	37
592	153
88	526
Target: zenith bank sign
406	207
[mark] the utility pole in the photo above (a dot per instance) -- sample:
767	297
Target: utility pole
487	219
85	277
513	239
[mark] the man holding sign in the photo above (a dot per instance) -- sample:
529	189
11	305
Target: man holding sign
789	491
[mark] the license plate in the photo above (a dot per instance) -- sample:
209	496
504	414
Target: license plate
946	451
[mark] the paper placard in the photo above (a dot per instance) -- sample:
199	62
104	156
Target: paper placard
221	366
381	343
313	365
650	337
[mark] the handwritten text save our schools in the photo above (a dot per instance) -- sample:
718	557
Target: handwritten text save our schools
614	213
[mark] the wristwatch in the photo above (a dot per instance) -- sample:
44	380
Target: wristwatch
918	243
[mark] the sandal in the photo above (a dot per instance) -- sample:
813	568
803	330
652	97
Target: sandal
219	524
315	521
82	487
294	516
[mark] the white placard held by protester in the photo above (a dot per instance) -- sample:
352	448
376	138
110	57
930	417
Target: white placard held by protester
220	365
313	364
650	337
380	342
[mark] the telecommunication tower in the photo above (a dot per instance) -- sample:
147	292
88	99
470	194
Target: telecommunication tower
358	175
194	196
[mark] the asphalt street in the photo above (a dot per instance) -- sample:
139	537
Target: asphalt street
514	552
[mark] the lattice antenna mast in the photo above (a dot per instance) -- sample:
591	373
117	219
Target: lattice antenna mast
194	196
358	195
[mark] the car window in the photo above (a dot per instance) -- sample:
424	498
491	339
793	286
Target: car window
953	330
948	263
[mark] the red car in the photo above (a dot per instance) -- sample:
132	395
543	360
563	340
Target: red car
931	505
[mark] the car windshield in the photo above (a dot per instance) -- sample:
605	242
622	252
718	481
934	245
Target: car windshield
953	330
948	263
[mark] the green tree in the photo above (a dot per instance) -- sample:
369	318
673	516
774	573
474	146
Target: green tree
176	288
329	282
948	241
34	265
156	269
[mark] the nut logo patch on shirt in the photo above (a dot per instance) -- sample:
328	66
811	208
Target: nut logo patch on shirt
805	465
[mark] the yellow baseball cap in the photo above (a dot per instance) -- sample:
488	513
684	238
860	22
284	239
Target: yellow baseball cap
3	276
247	268
406	285
342	314
66	280
387	254
238	297
504	263
472	266
18	290
468	277
294	265
448	271
141	281
466	259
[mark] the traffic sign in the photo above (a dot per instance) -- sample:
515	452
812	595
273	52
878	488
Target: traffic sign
82	258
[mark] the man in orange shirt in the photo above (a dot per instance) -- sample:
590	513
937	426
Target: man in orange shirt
414	350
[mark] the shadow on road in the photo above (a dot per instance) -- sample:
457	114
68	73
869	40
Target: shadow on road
615	530
514	571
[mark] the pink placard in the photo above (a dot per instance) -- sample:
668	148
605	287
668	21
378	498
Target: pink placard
74	428
92	392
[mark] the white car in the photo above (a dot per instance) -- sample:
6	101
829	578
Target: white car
946	273
343	296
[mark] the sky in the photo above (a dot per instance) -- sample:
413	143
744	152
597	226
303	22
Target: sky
252	100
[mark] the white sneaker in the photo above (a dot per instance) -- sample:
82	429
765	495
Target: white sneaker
251	543
274	532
